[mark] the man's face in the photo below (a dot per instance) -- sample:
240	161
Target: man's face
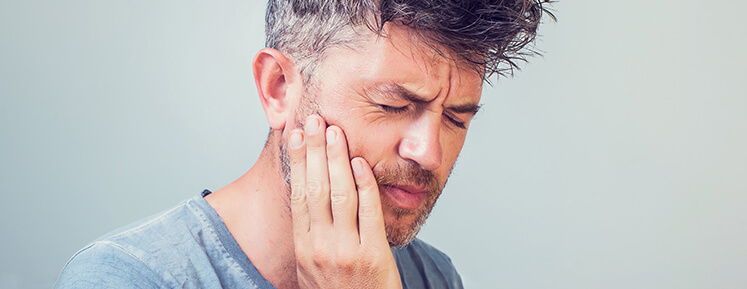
403	109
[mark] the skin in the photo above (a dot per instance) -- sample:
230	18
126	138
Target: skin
338	222
335	233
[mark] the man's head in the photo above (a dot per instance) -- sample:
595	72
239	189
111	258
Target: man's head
403	79
489	35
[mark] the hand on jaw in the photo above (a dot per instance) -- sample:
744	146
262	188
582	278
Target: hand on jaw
338	224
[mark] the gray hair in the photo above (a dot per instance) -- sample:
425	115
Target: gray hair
489	35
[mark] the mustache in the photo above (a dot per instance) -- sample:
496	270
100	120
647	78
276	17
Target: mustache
409	174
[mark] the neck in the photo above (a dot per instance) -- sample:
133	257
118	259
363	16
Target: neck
255	209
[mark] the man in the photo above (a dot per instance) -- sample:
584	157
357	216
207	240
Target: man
369	103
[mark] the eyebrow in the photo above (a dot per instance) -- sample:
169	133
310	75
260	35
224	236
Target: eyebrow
396	90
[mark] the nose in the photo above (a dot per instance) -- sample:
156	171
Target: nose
421	142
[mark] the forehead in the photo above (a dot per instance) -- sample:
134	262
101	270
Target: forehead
396	58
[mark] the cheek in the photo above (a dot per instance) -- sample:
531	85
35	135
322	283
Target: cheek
374	141
366	134
451	144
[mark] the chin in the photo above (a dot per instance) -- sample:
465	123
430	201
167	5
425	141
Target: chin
403	225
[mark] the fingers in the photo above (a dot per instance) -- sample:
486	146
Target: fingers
370	216
317	175
328	197
299	209
343	196
338	223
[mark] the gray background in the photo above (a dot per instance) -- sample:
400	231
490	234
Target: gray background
615	161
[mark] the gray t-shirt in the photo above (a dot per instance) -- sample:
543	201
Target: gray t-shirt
189	246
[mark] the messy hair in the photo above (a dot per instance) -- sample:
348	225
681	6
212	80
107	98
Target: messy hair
489	35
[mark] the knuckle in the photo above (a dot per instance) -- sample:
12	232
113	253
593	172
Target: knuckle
338	196
345	262
372	258
368	211
320	259
301	257
298	195
314	189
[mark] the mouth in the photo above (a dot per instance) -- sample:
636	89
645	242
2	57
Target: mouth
406	197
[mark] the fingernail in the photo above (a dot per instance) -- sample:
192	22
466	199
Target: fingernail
357	167
312	125
331	136
296	140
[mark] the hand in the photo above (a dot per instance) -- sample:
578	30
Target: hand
338	224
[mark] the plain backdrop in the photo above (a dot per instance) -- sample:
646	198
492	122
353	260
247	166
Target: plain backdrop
616	160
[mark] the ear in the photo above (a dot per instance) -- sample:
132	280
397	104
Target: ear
279	86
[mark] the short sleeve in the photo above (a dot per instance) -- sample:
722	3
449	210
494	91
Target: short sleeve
107	265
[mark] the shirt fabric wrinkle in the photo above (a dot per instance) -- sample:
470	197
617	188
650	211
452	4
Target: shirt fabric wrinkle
189	246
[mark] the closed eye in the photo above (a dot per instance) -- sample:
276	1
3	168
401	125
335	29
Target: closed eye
459	124
394	109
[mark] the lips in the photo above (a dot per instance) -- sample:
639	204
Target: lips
407	197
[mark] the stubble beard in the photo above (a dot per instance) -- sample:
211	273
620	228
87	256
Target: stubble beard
405	224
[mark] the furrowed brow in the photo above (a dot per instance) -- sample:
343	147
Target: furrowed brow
395	90
398	91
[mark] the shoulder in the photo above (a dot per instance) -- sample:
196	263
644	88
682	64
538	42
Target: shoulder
104	264
423	266
141	255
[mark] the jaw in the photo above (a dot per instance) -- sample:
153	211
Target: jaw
403	225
